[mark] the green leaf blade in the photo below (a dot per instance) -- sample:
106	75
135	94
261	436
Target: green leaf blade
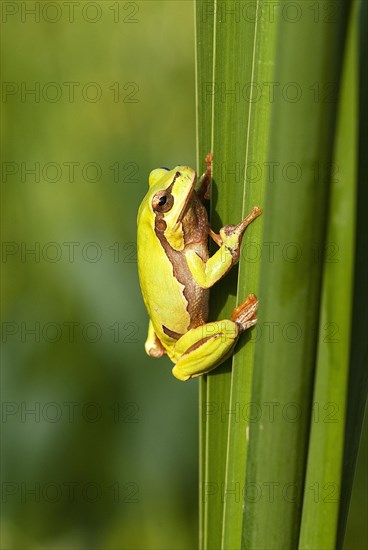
260	59
323	480
295	214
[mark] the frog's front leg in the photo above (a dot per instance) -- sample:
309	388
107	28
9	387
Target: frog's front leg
206	274
204	348
153	346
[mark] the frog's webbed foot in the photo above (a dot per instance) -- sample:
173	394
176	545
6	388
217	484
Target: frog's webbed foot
245	315
204	188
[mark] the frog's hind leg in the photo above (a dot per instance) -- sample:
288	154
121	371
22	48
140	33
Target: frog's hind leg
204	348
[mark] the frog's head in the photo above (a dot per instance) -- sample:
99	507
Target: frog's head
166	201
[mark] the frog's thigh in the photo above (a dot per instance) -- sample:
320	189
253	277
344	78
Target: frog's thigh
204	348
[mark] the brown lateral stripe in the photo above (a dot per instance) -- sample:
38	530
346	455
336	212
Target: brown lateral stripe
200	343
179	264
196	297
171	333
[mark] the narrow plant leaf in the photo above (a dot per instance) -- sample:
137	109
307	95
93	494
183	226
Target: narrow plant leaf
204	26
326	446
233	47
308	54
231	51
358	375
204	15
259	69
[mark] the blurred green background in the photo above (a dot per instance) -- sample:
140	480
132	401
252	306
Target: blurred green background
99	442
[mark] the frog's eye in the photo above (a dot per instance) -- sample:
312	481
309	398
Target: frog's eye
162	201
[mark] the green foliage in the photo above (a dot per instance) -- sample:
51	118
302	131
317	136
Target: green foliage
140	450
267	445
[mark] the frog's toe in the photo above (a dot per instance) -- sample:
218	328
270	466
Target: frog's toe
245	315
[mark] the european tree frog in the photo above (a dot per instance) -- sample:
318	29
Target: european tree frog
176	272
